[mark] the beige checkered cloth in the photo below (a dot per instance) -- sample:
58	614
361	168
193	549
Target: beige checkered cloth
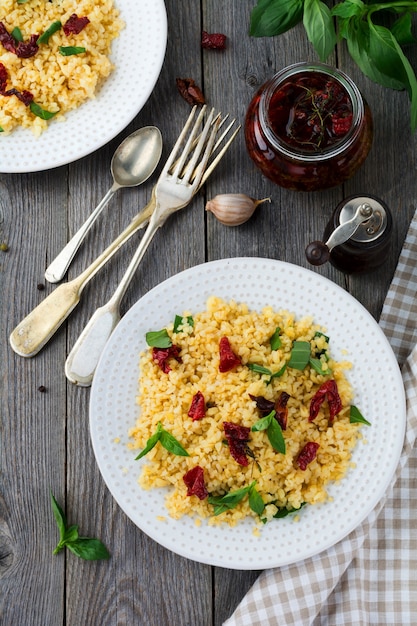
370	577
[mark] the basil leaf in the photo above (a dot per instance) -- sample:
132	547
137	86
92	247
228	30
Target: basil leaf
357	35
300	355
17	34
319	27
42	113
158	339
263	422
230	500
274	17
59	517
275	340
401	29
53	28
388	57
317	365
68	51
171	444
318	333
71	534
151	443
178	322
259	369
89	549
83	547
284	511
349	8
279	372
1	130
255	501
356	417
275	436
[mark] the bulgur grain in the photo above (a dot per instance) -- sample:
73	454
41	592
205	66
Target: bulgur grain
58	83
166	398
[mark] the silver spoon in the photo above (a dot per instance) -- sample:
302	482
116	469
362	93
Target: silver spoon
133	162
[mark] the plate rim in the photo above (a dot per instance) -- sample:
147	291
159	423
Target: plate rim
260	563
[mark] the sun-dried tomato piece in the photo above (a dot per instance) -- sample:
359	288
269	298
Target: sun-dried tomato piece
341	125
281	409
263	405
3	77
198	407
329	390
214	41
307	454
24	96
74	25
237	437
6	39
228	359
27	49
194	481
190	91
162	355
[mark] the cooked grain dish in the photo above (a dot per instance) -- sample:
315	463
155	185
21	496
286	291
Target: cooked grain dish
58	83
280	479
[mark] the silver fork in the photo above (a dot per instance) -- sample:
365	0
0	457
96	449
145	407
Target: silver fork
177	184
35	330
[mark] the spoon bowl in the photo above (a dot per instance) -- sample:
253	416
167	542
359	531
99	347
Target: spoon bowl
132	164
136	157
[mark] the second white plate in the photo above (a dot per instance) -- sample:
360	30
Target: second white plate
375	378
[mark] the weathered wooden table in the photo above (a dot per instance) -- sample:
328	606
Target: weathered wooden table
45	441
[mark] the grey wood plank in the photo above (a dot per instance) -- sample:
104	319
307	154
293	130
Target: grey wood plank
133	587
32	421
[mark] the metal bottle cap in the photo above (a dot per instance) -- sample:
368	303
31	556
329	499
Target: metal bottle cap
370	229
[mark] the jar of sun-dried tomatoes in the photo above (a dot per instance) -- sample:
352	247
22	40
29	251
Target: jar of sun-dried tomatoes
308	127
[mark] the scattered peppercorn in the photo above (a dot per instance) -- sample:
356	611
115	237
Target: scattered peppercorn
42	388
41	286
4	247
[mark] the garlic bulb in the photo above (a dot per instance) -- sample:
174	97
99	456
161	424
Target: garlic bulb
233	209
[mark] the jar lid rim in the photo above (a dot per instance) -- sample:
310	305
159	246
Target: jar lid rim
346	82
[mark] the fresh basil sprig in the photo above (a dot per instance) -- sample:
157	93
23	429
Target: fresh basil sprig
67	51
300	355
273	431
275	340
375	48
86	548
178	322
284	511
317	365
158	339
356	417
232	499
260	369
53	28
17	34
42	113
168	441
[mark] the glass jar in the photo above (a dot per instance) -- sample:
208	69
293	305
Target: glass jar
308	127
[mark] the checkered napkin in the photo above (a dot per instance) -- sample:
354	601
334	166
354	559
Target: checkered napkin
370	577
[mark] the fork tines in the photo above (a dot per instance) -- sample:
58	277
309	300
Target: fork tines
209	139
